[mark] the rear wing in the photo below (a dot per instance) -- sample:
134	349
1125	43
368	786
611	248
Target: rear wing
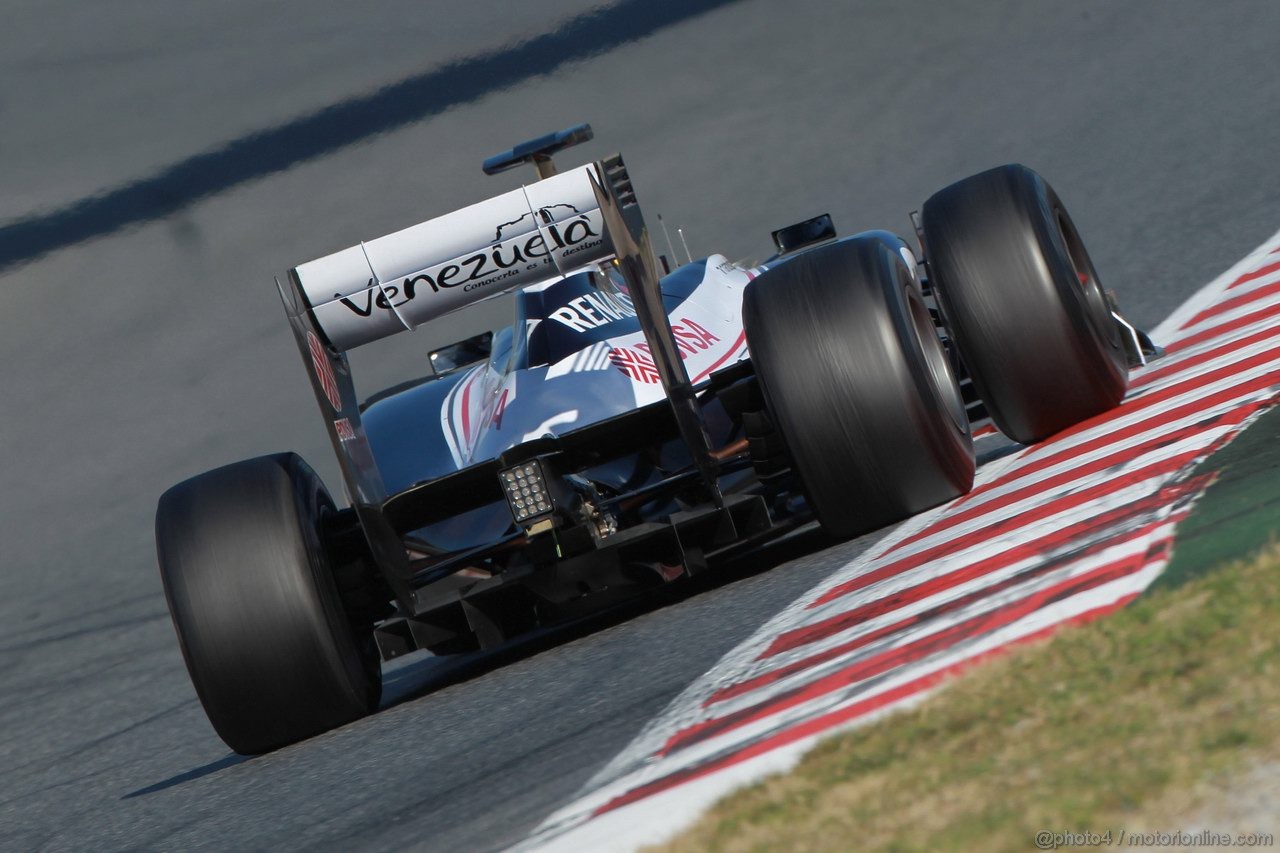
560	225
395	283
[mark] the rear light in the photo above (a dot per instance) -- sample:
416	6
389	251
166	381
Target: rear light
528	495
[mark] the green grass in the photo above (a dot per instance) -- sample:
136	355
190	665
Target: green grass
1111	725
1240	512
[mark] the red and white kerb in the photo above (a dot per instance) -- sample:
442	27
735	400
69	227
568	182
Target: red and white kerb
1055	534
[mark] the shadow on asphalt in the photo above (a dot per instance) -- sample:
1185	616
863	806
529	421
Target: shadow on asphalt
188	775
275	149
423	674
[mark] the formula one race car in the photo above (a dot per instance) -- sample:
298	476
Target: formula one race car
635	424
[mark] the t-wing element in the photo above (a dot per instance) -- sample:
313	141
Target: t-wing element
538	151
635	260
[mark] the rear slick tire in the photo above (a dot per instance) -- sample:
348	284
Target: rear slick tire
1023	303
269	648
857	382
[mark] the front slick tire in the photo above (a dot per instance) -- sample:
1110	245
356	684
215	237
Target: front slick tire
1023	303
269	648
857	382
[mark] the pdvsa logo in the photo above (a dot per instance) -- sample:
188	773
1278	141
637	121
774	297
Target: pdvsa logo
637	363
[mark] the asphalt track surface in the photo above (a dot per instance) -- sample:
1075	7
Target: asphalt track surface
159	167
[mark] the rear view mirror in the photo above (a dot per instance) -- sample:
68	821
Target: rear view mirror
461	354
806	233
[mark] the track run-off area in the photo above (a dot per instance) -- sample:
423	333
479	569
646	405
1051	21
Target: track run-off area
1063	532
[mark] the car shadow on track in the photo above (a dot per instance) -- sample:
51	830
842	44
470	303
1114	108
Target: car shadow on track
189	775
422	674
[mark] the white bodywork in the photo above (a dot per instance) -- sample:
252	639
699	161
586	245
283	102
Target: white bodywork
397	282
489	410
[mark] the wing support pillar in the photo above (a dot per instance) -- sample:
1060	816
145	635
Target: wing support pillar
637	263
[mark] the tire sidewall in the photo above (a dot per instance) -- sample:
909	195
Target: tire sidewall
940	462
1107	353
270	650
1040	347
